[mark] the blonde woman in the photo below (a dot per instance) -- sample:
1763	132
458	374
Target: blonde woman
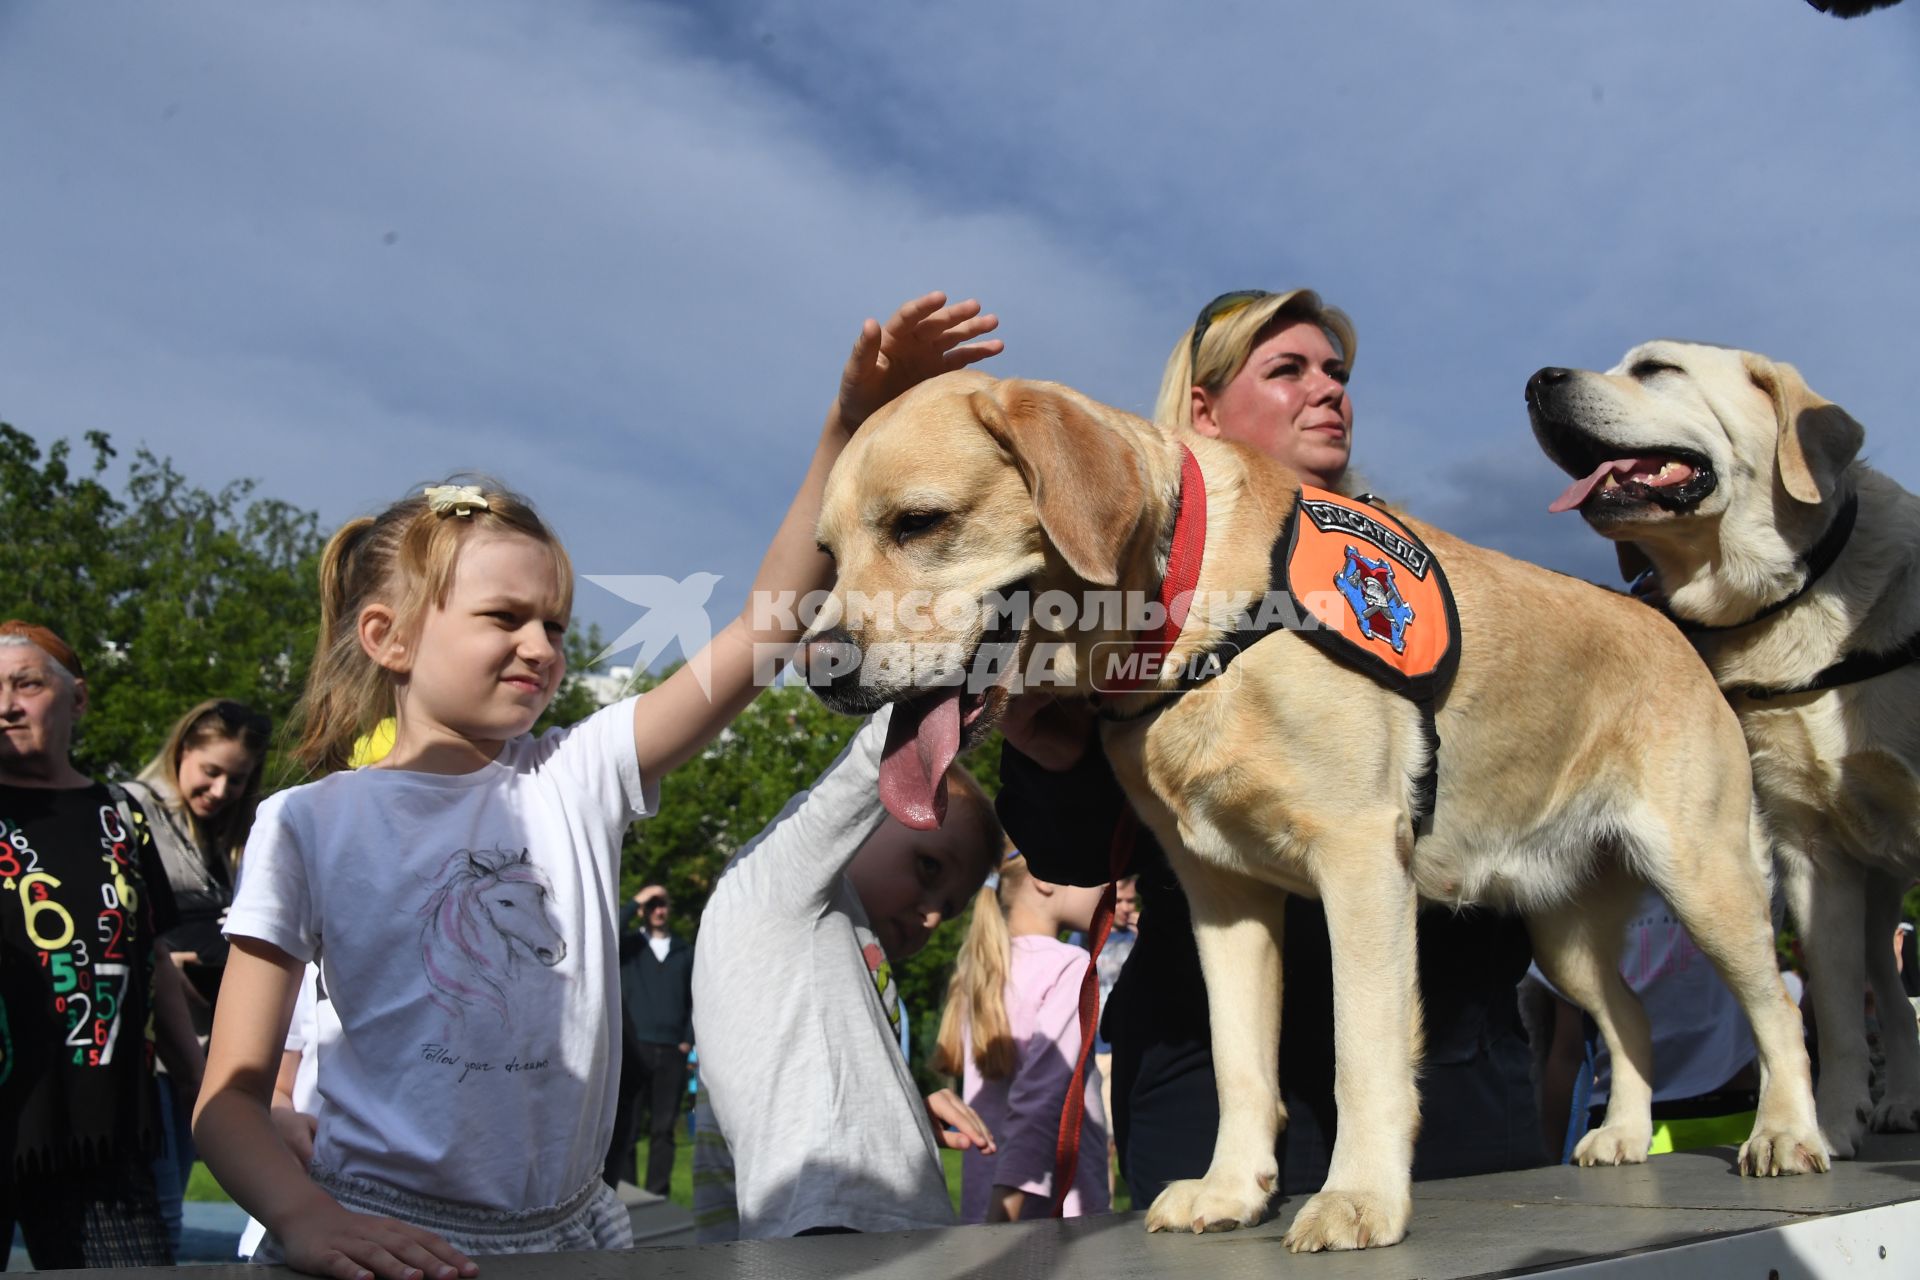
198	793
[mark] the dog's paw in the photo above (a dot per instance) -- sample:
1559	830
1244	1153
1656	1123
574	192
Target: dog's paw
1212	1203
1349	1220
1844	1126
1769	1153
1893	1114
1613	1144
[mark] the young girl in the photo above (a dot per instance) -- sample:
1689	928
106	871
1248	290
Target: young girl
460	895
1012	1028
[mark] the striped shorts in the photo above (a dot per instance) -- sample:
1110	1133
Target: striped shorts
591	1218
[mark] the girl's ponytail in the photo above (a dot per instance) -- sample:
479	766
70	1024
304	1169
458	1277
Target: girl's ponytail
344	681
976	995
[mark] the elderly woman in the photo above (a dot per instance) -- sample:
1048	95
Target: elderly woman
198	793
1267	370
83	976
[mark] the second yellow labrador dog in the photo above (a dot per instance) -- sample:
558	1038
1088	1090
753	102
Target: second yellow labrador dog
1796	567
1584	747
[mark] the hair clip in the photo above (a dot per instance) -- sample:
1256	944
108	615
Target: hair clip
455	499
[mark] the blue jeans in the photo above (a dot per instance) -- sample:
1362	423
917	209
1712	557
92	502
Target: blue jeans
174	1165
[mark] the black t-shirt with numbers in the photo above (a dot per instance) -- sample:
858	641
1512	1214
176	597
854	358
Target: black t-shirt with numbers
82	898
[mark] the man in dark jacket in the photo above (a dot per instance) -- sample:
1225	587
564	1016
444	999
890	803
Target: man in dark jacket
656	998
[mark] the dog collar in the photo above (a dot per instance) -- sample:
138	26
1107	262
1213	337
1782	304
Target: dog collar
1816	562
1184	558
1861	666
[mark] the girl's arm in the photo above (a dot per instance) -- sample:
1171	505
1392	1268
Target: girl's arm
675	720
174	1040
237	1138
295	1126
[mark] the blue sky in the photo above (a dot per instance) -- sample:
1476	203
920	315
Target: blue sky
615	252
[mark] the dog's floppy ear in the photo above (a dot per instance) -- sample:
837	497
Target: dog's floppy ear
1086	485
1817	438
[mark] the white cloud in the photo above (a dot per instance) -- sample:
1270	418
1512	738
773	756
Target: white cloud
615	253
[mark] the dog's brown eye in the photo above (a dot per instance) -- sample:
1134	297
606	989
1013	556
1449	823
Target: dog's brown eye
914	523
1644	369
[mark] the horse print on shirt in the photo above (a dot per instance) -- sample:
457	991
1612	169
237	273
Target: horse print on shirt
488	907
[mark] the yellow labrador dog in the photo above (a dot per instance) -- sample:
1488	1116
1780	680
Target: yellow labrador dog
1796	569
1584	745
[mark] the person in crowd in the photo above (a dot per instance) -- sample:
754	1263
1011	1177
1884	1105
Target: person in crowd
1108	964
1705	1081
795	1003
199	793
88	993
464	885
1011	1031
1269	371
656	1003
1906	957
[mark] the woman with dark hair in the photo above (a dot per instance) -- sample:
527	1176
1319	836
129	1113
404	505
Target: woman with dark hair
1267	370
199	793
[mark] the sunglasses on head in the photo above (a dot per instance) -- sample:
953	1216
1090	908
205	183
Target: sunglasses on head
1219	309
237	716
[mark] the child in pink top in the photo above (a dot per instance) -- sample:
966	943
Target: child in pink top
1012	1029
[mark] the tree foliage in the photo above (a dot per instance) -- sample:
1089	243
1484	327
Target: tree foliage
169	593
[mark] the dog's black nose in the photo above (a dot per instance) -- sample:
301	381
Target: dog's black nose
1551	376
831	663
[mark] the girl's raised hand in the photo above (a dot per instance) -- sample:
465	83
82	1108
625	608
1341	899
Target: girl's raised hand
921	340
356	1246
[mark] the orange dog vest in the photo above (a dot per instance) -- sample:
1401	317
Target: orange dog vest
1368	592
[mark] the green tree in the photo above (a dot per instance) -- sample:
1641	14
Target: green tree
170	593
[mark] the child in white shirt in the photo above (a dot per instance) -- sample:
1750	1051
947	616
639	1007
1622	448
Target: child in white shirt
794	1005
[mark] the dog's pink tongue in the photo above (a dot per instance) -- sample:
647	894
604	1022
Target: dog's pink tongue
1578	491
922	740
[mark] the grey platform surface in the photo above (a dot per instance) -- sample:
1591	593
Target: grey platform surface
1509	1224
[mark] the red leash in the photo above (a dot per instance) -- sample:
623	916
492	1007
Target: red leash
1176	595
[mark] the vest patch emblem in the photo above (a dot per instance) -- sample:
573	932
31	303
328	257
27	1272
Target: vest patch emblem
1375	599
1378	592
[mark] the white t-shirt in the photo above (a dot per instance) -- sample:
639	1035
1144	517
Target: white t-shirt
797	1056
465	929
